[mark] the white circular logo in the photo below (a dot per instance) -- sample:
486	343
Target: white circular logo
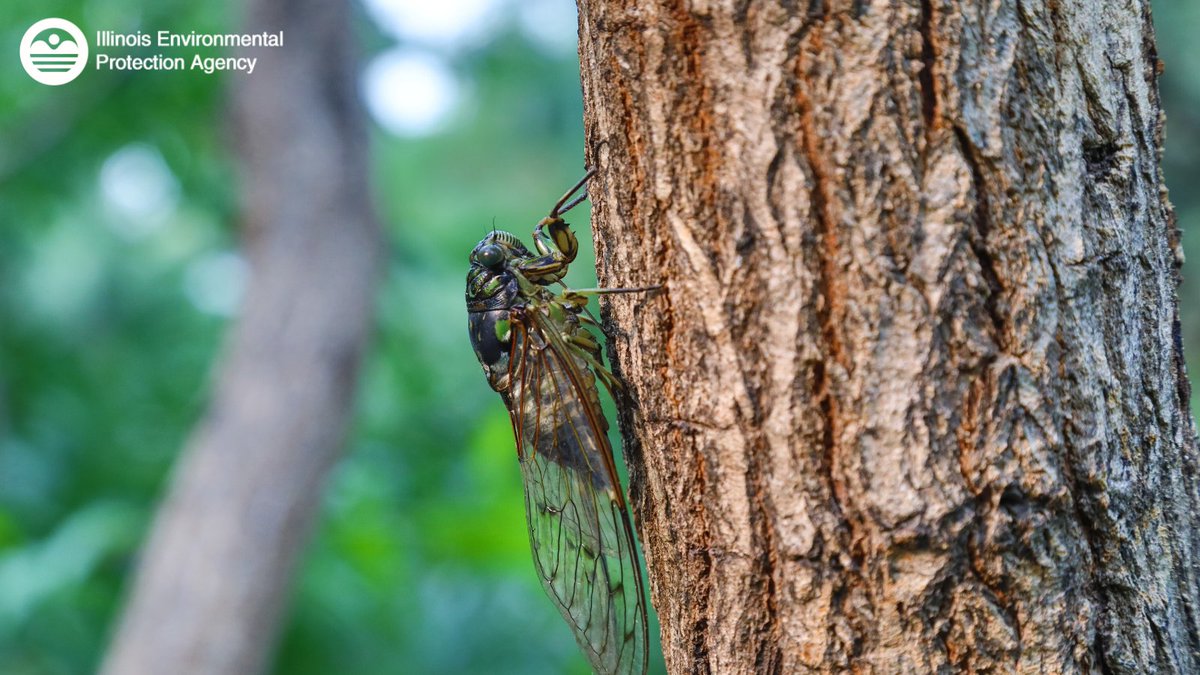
54	51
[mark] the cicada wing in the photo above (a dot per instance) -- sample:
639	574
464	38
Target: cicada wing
579	529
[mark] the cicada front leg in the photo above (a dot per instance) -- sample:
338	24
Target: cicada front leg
557	248
555	242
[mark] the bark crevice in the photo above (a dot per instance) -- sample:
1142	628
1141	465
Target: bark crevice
978	239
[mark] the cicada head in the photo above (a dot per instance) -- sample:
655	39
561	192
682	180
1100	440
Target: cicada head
497	249
490	281
492	293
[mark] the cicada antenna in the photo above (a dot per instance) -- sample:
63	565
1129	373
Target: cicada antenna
559	207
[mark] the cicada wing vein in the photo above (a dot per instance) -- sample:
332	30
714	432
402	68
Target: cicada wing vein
579	528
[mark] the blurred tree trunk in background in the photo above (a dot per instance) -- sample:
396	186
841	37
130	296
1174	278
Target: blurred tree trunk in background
913	399
213	579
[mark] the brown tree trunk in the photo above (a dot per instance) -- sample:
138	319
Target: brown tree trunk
214	576
913	399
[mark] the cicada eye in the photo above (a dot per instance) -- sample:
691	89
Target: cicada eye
489	256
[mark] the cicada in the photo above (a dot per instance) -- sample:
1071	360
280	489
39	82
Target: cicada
537	352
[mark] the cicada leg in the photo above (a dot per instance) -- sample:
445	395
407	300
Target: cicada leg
590	347
590	320
557	246
559	207
577	300
582	338
610	381
578	297
555	242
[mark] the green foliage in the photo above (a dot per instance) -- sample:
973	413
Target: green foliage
102	359
420	562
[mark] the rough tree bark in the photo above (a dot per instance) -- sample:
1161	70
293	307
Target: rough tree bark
213	578
913	399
